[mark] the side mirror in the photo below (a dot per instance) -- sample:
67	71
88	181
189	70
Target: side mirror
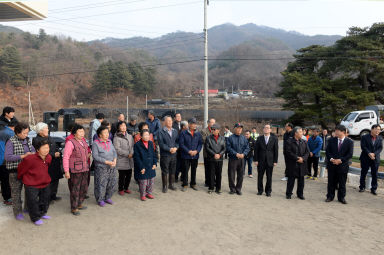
357	120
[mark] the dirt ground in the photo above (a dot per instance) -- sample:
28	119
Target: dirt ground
196	222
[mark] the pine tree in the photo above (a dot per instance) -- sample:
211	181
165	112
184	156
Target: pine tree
325	83
10	66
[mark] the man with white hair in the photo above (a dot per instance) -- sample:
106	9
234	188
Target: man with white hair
169	145
297	152
54	168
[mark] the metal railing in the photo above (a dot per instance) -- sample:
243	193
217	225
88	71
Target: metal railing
352	170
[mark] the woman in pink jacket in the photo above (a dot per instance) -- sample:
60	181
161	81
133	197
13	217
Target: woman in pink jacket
76	168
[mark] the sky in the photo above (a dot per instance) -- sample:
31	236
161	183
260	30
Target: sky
95	19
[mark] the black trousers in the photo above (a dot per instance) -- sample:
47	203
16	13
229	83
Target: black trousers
53	188
291	184
315	162
285	171
261	170
168	164
235	167
37	201
335	178
215	171
124	179
4	179
226	152
189	163
364	170
207	172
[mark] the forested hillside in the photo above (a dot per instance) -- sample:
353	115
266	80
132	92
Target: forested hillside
61	71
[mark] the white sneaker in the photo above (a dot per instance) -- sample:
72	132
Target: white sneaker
250	176
284	179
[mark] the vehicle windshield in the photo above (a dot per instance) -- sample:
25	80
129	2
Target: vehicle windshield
350	116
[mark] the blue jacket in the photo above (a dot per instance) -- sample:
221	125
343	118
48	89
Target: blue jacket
154	127
315	145
237	144
93	126
167	142
5	134
144	159
187	143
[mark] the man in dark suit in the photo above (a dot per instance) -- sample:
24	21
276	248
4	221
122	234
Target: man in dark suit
339	152
177	126
177	122
296	155
265	156
371	147
288	134
168	139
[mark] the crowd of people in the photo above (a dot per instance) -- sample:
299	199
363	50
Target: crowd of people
119	150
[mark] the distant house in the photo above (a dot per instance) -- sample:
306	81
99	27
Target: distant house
246	92
211	92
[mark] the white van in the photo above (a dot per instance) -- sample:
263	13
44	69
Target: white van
359	123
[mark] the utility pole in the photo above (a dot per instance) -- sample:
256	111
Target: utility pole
206	2
127	110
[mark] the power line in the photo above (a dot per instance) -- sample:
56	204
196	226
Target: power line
118	12
92	6
109	27
95	70
119	53
293	58
251	58
167	46
196	36
198	60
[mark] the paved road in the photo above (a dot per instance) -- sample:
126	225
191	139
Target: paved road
195	222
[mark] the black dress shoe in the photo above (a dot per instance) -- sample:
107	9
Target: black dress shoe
361	190
288	196
301	197
268	194
56	198
374	192
172	188
259	193
239	193
328	200
343	201
194	187
232	192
